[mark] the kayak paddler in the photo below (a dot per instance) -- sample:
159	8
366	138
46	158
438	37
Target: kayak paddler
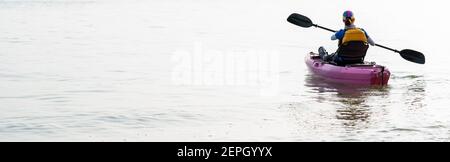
353	43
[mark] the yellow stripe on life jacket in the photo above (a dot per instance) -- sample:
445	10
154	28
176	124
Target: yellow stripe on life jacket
354	34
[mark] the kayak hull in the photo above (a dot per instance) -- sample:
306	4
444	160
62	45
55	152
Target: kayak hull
361	74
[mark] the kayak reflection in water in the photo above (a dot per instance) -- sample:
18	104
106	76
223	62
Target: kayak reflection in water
353	43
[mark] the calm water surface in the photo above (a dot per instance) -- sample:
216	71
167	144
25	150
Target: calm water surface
99	70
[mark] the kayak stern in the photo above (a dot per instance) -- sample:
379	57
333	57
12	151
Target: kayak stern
366	74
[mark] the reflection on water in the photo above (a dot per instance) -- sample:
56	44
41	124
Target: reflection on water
352	111
341	112
352	101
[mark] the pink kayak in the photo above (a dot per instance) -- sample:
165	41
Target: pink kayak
367	73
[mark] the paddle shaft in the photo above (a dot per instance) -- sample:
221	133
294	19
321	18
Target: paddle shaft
387	48
324	28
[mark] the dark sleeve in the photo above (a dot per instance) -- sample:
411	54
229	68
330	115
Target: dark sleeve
340	34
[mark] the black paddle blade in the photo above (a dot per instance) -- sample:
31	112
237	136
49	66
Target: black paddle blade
413	56
300	20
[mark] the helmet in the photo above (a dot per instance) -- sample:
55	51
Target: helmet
348	17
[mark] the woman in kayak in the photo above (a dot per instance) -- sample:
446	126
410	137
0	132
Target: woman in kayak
353	43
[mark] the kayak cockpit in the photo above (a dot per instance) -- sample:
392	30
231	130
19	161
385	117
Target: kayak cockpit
316	56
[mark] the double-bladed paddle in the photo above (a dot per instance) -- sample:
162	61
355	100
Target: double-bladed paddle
406	54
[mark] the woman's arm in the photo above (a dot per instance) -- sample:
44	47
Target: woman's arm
338	35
